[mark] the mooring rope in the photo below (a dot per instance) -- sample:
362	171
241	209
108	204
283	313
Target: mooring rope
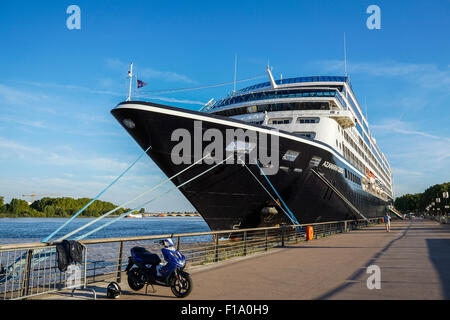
129	201
87	205
154	198
293	220
276	192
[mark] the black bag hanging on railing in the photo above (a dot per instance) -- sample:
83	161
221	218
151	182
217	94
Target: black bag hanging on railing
69	251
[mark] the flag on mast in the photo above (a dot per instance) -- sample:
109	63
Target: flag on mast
140	84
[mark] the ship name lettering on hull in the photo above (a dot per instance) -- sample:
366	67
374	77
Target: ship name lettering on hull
332	166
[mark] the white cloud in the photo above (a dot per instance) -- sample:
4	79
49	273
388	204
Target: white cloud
24	122
402	171
15	96
85	161
93	118
16	148
402	127
149	73
70	87
425	74
164	75
418	159
76	159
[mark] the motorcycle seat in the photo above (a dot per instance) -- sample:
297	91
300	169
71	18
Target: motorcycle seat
143	255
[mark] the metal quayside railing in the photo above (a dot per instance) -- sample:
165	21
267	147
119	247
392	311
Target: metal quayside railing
31	269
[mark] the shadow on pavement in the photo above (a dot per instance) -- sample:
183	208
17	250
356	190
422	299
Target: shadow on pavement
362	271
439	250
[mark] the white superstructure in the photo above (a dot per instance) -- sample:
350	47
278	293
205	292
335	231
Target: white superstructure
323	109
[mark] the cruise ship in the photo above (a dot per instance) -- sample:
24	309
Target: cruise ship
328	165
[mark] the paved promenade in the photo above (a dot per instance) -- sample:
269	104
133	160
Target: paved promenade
414	259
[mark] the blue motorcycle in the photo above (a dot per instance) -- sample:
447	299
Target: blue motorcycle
144	269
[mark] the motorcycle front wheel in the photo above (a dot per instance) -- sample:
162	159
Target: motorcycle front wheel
182	286
136	279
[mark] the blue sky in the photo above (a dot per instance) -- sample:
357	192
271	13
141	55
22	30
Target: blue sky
57	86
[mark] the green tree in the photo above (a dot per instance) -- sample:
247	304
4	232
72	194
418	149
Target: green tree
2	205
408	202
420	201
19	207
434	192
49	211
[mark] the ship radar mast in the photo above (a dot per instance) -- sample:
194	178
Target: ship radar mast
272	81
130	75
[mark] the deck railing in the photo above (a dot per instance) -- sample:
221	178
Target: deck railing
30	269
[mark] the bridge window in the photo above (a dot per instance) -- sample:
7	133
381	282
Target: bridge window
277	95
315	161
309	135
274	107
256	122
308	120
280	121
290	155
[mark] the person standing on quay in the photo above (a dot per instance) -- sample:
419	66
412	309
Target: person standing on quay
387	222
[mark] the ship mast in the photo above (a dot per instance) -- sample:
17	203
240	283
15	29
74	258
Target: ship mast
345	65
345	57
235	64
130	74
272	81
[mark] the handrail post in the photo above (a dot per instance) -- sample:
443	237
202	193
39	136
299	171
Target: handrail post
245	244
26	273
178	243
216	248
266	238
119	263
282	237
345	226
85	265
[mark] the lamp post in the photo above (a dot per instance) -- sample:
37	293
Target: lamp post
438	200
445	196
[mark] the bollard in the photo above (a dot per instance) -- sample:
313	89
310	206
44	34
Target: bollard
310	233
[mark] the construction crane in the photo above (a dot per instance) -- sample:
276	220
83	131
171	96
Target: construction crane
32	195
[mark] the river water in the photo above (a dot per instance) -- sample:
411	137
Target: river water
16	230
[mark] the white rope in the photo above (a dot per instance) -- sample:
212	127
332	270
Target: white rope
96	197
129	201
154	198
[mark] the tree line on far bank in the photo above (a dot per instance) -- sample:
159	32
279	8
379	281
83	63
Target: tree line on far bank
56	207
419	201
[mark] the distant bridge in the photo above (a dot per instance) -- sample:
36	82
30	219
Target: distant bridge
171	214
